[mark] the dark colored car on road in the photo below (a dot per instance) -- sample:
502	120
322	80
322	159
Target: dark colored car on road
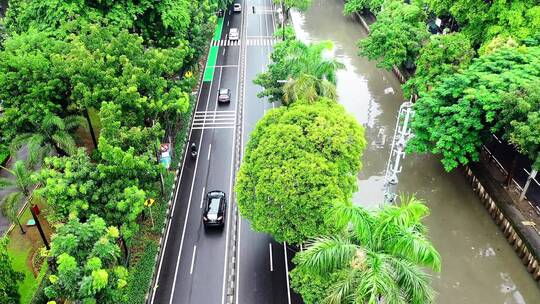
215	209
224	95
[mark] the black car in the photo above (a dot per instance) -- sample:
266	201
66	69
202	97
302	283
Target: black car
224	95
215	209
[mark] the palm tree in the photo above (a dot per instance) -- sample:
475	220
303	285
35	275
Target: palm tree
23	179
315	75
10	208
309	88
379	257
54	133
23	182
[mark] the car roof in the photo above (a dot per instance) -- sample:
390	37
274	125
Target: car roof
223	91
215	193
237	4
233	29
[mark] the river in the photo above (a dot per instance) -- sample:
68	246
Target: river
478	264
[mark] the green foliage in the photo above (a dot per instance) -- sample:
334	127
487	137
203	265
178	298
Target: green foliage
292	59
300	163
397	35
9	278
482	21
455	117
85	263
102	64
141	274
167	23
379	256
352	6
443	55
520	120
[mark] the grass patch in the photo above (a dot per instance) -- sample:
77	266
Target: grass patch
20	249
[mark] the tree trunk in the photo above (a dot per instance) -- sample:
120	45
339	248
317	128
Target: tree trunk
511	172
19	223
87	115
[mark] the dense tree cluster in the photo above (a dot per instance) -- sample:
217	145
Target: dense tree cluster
62	62
297	179
478	77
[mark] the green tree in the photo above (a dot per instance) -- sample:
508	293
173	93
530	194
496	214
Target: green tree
290	60
482	21
443	55
379	257
520	118
397	35
458	115
300	163
286	5
166	23
84	263
10	278
352	6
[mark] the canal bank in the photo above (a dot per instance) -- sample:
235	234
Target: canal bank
478	264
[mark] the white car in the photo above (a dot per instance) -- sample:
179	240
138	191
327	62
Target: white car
233	34
237	8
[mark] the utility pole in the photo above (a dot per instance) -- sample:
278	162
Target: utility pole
38	225
402	134
532	175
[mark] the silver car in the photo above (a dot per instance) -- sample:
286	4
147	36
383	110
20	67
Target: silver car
233	34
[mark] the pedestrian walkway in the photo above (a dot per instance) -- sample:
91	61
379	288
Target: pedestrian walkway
266	41
214	120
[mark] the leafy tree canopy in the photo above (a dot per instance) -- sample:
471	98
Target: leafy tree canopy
443	55
377	257
84	263
101	64
455	117
299	164
352	6
10	278
482	21
164	23
397	35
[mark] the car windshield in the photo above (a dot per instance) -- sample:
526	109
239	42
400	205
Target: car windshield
223	92
213	207
234	31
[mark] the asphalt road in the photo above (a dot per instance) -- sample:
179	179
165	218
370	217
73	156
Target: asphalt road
193	267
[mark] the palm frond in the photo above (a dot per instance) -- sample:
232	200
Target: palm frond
10	205
35	146
377	282
414	247
65	141
18	142
72	122
343	290
23	176
52	122
359	218
326	254
413	281
6	183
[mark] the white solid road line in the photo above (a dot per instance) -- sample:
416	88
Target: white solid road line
193	259
189	201
271	262
209	151
287	273
202	195
175	197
